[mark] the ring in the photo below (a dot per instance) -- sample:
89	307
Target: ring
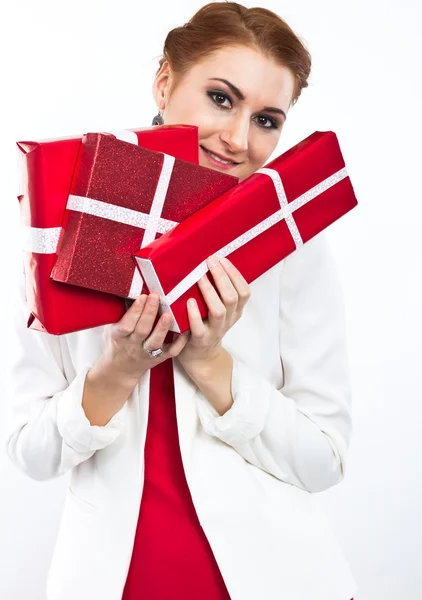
152	353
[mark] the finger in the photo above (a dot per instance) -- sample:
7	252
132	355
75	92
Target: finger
146	320
216	309
239	282
224	285
196	324
128	322
175	348
156	338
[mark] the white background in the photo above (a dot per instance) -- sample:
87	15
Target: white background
68	68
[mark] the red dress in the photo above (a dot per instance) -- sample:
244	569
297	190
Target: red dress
172	558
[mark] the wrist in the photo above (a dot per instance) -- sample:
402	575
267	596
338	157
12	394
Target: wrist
204	368
213	378
106	374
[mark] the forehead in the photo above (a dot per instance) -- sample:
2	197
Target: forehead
259	78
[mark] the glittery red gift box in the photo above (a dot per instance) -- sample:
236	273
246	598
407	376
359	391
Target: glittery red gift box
123	197
46	169
256	225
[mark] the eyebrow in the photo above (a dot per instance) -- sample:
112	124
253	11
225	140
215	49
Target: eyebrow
235	90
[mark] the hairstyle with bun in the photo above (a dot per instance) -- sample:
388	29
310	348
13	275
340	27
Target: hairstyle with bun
220	24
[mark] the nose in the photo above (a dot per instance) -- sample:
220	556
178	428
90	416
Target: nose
235	134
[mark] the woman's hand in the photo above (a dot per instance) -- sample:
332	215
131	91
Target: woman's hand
111	380
124	355
225	308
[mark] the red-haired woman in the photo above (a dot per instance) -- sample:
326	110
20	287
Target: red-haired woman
194	460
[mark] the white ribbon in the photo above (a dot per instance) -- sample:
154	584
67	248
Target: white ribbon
40	240
45	240
119	214
125	135
152	222
154	219
285	212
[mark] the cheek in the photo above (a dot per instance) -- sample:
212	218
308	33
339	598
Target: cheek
261	148
210	123
192	109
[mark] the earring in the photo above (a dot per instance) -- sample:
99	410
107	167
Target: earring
158	119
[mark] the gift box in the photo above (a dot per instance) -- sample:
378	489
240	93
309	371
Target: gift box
257	224
46	170
122	197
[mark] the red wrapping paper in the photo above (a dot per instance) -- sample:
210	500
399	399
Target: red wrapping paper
46	175
314	167
120	195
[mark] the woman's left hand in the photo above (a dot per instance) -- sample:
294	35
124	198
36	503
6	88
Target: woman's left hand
224	310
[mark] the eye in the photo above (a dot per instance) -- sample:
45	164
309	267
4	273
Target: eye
267	122
219	98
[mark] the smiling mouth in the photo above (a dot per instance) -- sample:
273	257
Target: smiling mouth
218	158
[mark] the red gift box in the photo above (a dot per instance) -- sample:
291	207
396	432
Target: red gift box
122	197
257	224
46	175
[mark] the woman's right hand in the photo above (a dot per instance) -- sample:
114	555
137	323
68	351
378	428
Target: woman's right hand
123	354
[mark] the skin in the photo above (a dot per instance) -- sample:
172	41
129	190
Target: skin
237	129
240	130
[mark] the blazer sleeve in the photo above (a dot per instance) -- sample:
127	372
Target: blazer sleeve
301	432
47	431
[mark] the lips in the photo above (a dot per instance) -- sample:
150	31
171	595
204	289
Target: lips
219	156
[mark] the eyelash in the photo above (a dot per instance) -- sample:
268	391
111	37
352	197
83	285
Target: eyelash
211	94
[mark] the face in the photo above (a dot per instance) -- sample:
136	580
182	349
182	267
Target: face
237	98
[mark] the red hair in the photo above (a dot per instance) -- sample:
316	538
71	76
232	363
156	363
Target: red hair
220	24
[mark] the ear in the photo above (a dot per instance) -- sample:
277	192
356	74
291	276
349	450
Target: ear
161	85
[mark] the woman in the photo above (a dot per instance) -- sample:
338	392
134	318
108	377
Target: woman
193	460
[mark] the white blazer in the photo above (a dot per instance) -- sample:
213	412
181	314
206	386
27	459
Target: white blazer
251	472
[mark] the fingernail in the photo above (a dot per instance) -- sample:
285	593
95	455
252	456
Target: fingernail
225	262
212	261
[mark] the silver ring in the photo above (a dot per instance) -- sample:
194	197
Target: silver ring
152	353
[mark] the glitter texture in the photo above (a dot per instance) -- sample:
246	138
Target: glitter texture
122	197
158	200
45	172
153	221
126	135
136	286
